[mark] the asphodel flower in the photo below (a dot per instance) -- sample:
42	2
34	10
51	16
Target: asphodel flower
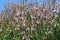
0	29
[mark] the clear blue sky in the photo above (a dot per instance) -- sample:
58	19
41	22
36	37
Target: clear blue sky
2	2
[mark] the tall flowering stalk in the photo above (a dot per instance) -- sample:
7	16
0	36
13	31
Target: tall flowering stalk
28	21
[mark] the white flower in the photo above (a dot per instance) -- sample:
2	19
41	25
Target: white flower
31	36
0	29
46	16
38	14
53	21
32	20
17	28
55	25
22	12
31	16
50	32
34	17
58	24
44	9
18	25
21	33
13	38
24	21
6	35
7	29
42	15
38	22
54	10
17	14
32	28
23	24
28	28
10	30
16	19
23	37
46	33
22	17
43	21
55	16
27	38
36	8
33	25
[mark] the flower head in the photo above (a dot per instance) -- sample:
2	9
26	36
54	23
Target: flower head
0	29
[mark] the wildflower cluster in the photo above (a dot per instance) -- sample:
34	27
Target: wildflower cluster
24	23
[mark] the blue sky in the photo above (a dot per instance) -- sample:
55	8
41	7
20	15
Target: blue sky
2	2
